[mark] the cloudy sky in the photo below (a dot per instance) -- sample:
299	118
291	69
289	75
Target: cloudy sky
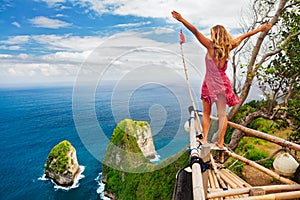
49	41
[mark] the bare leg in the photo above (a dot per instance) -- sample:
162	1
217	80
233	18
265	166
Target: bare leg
221	108
205	120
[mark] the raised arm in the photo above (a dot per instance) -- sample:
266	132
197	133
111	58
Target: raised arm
239	39
202	39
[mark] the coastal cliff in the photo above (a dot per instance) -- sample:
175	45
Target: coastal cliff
127	170
62	164
131	146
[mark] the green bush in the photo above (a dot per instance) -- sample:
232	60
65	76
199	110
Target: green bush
59	153
246	147
158	184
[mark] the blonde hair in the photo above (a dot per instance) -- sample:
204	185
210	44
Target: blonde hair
222	42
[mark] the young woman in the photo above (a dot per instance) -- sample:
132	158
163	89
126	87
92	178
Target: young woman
216	86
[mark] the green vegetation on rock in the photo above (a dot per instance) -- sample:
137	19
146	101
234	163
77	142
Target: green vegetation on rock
124	135
59	153
62	165
129	175
158	184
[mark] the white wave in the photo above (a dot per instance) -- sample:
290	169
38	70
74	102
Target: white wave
43	178
156	159
75	184
100	189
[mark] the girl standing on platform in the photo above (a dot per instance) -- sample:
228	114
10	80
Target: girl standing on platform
216	86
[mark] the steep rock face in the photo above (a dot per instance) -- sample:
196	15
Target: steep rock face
131	146
144	138
62	164
127	171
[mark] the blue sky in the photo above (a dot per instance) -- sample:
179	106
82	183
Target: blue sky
48	41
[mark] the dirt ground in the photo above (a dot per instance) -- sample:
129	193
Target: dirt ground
257	178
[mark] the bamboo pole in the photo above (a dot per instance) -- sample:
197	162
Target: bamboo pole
217	172
216	182
211	180
231	183
259	167
258	134
283	195
198	124
239	191
271	138
228	180
235	178
197	181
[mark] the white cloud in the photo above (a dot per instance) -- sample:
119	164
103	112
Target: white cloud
68	42
23	56
45	22
16	40
71	57
14	48
52	3
5	56
16	24
133	24
201	12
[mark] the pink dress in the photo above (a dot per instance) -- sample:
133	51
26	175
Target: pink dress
216	82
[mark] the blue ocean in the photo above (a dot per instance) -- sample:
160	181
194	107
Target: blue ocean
34	119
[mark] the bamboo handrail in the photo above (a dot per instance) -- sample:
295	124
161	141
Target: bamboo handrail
198	124
259	167
198	189
239	191
282	195
259	134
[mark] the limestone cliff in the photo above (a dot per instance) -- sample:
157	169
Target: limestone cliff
126	171
131	146
62	164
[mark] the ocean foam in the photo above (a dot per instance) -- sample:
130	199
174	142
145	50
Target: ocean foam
75	184
101	185
156	159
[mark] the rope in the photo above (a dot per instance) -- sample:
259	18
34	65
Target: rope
198	124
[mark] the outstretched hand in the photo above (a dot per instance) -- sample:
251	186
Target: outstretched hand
176	15
265	27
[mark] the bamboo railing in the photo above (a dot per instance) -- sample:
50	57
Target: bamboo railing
223	184
259	134
197	181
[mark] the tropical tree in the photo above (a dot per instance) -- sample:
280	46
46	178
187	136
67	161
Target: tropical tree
273	62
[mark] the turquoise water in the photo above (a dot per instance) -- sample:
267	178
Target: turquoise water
33	120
